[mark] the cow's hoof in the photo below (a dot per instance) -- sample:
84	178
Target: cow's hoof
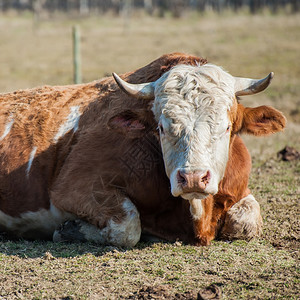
69	232
243	220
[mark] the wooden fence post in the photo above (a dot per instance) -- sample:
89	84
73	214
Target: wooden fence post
76	55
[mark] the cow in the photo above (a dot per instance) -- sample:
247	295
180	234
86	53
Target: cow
154	152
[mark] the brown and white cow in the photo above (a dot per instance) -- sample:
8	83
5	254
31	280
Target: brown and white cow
86	162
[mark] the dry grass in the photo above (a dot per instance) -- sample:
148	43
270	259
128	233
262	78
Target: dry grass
249	46
244	45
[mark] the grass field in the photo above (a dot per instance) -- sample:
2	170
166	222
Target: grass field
249	46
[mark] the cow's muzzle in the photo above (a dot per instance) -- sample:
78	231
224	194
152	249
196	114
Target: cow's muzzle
193	181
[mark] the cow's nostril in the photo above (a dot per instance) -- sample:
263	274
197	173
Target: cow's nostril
181	178
206	178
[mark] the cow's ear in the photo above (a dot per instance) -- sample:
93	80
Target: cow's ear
259	121
129	123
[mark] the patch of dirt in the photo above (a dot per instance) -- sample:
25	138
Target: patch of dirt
288	154
291	245
211	292
159	292
164	292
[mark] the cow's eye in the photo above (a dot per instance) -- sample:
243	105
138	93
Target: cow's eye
161	129
228	128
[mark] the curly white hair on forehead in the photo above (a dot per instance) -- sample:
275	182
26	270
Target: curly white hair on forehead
193	87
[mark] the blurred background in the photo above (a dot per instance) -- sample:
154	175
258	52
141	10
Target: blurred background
249	38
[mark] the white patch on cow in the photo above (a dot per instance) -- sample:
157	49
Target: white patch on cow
39	224
196	208
31	158
191	105
243	220
122	234
71	123
7	128
128	232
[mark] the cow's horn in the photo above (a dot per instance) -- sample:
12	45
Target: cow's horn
246	86
141	91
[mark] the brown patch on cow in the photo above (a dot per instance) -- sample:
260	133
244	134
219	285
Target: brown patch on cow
232	188
177	59
288	154
203	227
158	67
38	114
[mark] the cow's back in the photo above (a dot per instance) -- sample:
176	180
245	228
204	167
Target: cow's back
34	127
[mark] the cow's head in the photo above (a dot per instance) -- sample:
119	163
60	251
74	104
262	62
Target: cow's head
197	114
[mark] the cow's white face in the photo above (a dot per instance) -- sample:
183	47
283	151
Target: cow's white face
192	107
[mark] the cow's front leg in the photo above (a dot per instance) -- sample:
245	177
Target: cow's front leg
117	223
243	220
201	211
